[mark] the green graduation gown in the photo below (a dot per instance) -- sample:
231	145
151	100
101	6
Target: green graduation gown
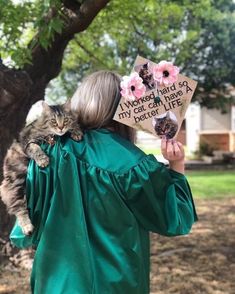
93	208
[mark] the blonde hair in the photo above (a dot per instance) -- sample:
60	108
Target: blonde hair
95	102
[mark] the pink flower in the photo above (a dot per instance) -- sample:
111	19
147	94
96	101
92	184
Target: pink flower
132	87
165	73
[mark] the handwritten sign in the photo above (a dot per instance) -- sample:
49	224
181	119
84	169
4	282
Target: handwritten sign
162	109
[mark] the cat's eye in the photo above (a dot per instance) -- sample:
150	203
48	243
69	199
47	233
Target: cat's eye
53	121
66	120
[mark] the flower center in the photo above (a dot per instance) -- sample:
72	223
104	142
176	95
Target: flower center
132	88
166	73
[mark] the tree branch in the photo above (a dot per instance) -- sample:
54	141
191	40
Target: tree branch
89	53
14	81
87	12
15	85
46	64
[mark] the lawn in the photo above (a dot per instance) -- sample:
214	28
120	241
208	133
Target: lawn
205	184
212	184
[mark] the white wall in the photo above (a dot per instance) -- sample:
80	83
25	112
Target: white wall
193	126
213	120
233	118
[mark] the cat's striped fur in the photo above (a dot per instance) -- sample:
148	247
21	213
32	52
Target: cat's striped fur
54	121
165	126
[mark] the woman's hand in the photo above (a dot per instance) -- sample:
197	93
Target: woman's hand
173	151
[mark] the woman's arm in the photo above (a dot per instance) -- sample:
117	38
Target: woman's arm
173	151
159	197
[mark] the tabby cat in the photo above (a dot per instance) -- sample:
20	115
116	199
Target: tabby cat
165	126
147	77
54	121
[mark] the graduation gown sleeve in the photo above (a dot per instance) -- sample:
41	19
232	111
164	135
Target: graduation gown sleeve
160	198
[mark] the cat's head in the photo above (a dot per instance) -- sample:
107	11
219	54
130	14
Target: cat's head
165	125
161	120
57	119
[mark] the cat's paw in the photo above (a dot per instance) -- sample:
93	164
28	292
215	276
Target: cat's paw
51	140
42	160
77	136
25	224
27	229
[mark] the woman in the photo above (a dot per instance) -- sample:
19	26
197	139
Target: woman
94	206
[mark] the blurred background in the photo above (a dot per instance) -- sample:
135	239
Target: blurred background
48	46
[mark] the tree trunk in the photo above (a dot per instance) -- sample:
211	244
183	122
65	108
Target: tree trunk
19	89
14	103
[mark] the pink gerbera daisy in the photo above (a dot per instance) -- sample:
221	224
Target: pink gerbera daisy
165	73
132	87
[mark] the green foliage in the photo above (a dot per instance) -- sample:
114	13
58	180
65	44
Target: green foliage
24	24
205	149
198	36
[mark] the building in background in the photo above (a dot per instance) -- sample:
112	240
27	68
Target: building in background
202	126
211	127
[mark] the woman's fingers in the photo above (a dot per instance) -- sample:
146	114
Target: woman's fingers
163	146
167	148
181	147
177	151
172	150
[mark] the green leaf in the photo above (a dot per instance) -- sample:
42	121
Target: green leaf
57	25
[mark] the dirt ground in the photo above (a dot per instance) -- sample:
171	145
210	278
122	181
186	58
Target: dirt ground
200	263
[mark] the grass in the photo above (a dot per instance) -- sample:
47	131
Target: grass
150	149
212	184
204	184
157	150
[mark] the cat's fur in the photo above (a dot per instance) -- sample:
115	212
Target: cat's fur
165	126
147	77
54	121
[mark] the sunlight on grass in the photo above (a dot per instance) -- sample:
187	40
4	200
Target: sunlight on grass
212	184
157	150
150	150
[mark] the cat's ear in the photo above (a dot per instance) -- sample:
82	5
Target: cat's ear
168	114
145	66
67	105
45	106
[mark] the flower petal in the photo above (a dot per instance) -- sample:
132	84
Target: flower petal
132	86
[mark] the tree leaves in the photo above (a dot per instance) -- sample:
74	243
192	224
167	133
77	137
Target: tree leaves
23	22
56	24
197	35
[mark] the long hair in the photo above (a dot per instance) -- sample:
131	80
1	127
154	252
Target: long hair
95	102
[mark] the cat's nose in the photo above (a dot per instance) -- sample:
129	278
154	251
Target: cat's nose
60	127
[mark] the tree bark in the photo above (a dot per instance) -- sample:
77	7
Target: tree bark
19	89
